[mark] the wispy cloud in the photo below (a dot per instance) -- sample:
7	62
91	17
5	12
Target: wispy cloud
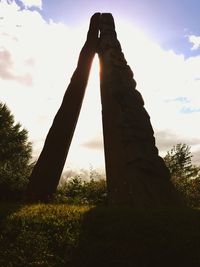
195	41
7	73
95	143
5	64
32	3
189	110
166	139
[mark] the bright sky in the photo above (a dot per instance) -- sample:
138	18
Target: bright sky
40	41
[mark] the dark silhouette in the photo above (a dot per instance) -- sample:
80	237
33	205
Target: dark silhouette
47	171
15	156
136	175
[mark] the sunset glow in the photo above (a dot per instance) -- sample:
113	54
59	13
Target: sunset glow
39	52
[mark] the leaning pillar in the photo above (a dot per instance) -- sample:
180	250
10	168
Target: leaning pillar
136	175
47	171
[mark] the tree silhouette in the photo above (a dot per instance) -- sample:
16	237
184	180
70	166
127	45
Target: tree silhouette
15	156
179	162
184	175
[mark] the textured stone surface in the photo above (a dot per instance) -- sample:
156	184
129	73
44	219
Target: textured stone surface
135	173
47	171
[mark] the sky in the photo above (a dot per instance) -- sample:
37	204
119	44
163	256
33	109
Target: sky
40	41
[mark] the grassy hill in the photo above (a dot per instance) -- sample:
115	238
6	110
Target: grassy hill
63	235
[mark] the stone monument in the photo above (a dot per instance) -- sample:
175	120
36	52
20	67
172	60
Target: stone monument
136	175
47	171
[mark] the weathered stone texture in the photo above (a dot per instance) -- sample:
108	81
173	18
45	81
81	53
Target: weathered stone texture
48	169
135	173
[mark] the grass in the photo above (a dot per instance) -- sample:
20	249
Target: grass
39	235
63	235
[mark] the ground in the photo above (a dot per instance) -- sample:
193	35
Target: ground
64	235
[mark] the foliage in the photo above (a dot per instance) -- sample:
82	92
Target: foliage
76	236
15	155
189	189
79	191
184	175
179	162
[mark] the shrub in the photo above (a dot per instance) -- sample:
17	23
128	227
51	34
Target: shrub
77	191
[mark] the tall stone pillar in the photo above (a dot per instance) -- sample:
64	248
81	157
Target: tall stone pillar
47	171
136	175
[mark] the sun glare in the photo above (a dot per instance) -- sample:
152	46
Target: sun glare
87	144
41	57
86	148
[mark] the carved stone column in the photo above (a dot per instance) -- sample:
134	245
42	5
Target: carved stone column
47	171
136	175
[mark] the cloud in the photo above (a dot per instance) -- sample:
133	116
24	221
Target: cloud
31	48
37	59
95	143
5	64
166	139
196	157
6	73
44	55
32	3
195	41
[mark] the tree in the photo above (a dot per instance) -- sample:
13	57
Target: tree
179	162
185	176
15	156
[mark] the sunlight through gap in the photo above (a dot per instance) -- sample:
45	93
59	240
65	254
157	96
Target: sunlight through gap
86	149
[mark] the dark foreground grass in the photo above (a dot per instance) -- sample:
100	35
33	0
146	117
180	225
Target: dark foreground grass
61	235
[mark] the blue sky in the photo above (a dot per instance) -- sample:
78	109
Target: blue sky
40	41
168	22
